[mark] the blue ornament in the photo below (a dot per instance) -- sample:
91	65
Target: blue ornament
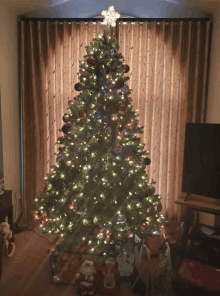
103	92
87	133
106	116
98	115
122	219
112	53
125	88
105	86
159	207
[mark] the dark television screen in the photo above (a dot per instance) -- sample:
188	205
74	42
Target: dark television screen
201	165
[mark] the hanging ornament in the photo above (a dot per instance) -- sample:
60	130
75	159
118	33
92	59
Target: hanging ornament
108	130
90	61
126	68
103	92
66	128
112	53
159	207
66	118
77	150
122	219
81	114
122	108
78	86
125	88
120	83
150	190
98	115
147	161
106	116
117	149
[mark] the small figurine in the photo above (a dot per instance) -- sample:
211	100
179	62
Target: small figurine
6	233
84	279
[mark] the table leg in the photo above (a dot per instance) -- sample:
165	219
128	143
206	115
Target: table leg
10	222
186	227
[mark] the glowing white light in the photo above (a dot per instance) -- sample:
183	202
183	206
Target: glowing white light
110	16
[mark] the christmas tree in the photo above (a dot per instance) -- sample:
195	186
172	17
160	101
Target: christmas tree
98	195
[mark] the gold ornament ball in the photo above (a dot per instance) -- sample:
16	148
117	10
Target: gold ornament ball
81	114
90	61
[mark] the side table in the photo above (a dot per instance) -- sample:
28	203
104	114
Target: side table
6	210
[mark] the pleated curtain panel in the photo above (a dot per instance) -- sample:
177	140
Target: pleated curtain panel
168	75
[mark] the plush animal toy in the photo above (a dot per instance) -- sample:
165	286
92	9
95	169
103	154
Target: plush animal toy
84	279
6	233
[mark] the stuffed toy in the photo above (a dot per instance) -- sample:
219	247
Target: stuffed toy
84	279
6	233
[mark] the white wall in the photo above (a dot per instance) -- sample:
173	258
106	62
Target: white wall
10	100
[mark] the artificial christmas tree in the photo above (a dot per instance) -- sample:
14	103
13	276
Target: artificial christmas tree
98	197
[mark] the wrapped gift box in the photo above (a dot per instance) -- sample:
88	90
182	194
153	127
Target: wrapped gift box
64	267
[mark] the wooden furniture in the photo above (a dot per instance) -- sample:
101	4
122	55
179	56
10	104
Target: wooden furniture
6	210
200	204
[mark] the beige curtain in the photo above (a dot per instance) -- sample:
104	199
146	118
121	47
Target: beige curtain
50	55
168	71
168	74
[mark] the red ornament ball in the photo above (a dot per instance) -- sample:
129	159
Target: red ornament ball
81	114
117	149
90	61
126	68
122	108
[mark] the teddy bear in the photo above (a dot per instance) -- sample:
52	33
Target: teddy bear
84	279
6	233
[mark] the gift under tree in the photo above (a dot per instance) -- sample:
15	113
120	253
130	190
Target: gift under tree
98	196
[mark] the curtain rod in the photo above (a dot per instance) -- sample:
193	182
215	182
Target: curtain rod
27	19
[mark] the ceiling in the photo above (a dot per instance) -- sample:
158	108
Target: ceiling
91	8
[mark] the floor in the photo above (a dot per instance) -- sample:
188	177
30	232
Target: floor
26	273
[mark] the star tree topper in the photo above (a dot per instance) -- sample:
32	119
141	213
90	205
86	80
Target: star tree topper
110	16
